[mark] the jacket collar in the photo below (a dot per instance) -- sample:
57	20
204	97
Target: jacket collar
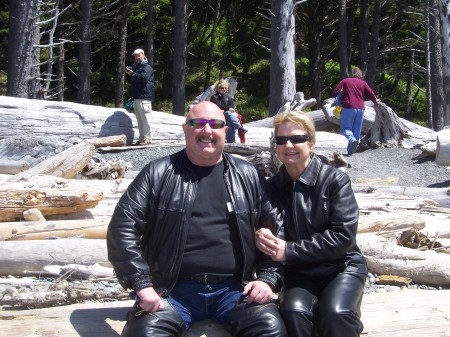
309	176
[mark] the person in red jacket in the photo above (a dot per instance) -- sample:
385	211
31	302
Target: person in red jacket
353	91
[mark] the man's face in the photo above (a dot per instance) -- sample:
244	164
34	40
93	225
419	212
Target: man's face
205	141
139	57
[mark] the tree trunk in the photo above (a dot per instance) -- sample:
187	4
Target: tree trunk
150	29
84	53
122	53
374	39
436	71
22	25
179	57
282	54
343	56
212	45
315	31
363	35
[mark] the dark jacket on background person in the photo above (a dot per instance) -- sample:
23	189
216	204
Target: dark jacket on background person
320	201
163	193
142	81
223	101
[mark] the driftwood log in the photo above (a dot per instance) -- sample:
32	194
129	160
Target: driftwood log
31	257
443	147
50	196
66	164
385	256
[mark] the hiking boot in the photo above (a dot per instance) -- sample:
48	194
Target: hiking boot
353	147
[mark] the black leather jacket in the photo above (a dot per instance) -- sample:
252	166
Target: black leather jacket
320	215
147	232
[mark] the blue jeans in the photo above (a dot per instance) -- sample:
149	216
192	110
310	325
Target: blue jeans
233	124
351	124
196	302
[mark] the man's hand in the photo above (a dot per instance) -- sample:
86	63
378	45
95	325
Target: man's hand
150	301
258	291
270	245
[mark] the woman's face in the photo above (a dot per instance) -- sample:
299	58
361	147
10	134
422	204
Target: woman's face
290	154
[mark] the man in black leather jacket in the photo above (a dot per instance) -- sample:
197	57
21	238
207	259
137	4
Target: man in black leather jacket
182	237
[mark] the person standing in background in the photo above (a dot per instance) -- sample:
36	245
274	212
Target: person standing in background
353	91
226	103
141	77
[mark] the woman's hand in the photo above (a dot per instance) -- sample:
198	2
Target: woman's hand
270	245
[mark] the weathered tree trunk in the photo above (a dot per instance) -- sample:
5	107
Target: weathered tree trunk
443	147
384	256
57	197
43	230
66	164
24	257
282	54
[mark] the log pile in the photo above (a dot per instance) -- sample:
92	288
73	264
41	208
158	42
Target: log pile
54	219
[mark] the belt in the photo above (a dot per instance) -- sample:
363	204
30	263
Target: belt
206	279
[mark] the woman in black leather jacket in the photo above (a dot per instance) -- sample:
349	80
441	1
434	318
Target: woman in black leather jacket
325	271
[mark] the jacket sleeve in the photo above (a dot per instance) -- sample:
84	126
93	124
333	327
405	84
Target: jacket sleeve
339	224
267	270
142	74
337	89
369	93
125	230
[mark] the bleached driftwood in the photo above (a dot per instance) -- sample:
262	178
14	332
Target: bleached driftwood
384	256
50	197
443	147
25	257
13	166
389	224
66	164
43	230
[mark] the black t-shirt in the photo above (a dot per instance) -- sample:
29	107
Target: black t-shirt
212	243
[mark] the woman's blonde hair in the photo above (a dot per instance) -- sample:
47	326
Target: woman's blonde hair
356	72
221	83
300	118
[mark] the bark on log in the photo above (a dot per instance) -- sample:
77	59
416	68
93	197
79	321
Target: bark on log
20	258
443	147
384	256
66	164
56	197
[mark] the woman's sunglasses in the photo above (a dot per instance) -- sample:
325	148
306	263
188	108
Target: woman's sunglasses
199	123
297	139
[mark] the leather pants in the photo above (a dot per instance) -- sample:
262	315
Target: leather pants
330	311
246	320
256	320
166	323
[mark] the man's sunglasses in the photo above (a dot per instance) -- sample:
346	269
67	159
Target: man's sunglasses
282	140
199	123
